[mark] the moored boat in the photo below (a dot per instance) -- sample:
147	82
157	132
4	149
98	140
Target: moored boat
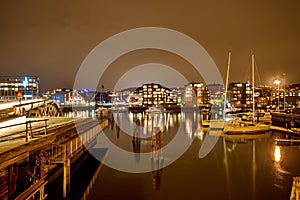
246	128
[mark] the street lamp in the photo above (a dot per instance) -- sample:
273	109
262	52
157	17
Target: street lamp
277	82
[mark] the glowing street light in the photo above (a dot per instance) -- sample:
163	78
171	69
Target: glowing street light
277	82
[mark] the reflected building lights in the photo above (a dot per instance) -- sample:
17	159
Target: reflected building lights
277	154
226	168
279	172
200	134
188	127
157	158
254	168
136	141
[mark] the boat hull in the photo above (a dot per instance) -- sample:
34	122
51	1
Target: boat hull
247	129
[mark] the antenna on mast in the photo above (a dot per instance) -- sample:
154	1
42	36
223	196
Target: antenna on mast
253	99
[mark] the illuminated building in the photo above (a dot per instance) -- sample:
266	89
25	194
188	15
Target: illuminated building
154	94
124	95
292	96
195	94
262	96
69	98
11	85
178	93
240	95
216	95
48	93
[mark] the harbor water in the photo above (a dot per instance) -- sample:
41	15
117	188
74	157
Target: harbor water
238	166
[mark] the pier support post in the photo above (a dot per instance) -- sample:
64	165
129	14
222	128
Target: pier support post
66	178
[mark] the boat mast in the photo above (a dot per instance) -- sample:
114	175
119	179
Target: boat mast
253	103
226	84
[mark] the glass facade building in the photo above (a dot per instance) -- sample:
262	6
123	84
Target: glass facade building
11	85
196	94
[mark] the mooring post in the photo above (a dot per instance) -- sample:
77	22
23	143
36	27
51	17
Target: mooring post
66	179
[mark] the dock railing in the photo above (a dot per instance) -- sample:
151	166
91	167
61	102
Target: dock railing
29	129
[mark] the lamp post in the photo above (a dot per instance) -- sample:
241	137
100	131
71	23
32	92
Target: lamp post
284	91
277	82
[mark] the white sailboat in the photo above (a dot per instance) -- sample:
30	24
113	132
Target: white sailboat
215	127
247	127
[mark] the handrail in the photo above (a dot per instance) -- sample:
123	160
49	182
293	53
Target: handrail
38	186
12	125
29	127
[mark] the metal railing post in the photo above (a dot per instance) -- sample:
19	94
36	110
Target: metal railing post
26	134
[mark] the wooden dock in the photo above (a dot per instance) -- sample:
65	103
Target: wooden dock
287	142
292	131
45	156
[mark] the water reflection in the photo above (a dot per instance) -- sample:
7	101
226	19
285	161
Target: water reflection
225	160
234	141
254	168
156	126
118	124
136	140
80	114
148	121
192	124
280	173
157	159
147	129
277	154
240	166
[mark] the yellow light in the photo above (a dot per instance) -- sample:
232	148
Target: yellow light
277	82
277	154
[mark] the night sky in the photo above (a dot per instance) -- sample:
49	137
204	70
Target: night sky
51	38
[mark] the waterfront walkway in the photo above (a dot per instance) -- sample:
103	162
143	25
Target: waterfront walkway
13	132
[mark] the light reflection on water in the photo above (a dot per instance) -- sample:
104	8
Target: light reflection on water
239	166
80	114
277	154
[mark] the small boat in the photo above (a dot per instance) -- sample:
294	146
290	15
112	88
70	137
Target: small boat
259	116
157	109
120	108
246	128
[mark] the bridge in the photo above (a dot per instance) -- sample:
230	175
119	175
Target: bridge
30	108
